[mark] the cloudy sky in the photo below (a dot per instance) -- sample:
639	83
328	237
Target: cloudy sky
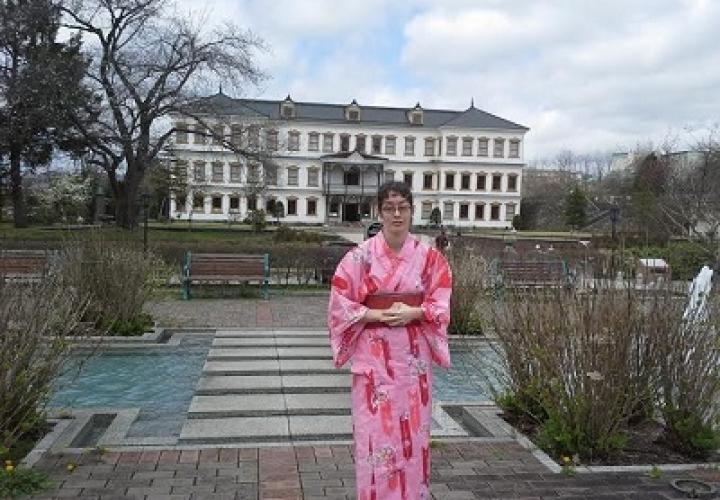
584	75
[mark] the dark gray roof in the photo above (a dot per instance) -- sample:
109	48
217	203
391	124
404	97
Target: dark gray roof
380	115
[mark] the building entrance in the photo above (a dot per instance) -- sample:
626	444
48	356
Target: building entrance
351	212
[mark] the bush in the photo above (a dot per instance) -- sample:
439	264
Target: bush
18	482
116	277
470	282
36	325
256	218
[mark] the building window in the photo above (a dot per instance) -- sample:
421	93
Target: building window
271	173
496	182
253	137
217	204
181	136
354	115
467	146
481	179
236	135
328	143
288	111
494	212
448	209
449	180
218	134
429	146
235	172
360	143
334	208
252	202
199	171
271	140
464	211
426	210
408	179
498	147
312	207
313	141
482	146
234	203
344	142
180	202
217	172
294	141
199	134
390	145
199	203
510	212
253	174
292	176
352	178
465	181
389	176
479	211
376	144
292	206
428	181
514	149
313	176
409	146
512	183
451	146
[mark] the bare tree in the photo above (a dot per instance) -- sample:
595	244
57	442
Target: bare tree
147	65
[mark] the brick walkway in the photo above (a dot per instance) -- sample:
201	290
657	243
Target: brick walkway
460	471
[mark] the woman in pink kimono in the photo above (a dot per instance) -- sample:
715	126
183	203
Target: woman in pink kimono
388	316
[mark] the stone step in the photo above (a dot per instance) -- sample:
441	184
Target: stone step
269	384
265	429
248	405
259	353
272	367
271	333
222	342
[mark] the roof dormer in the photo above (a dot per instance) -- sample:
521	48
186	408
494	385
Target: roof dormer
287	109
352	112
415	115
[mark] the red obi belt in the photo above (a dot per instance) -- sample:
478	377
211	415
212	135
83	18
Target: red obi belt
386	300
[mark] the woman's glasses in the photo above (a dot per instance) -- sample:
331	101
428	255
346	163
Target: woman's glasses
393	209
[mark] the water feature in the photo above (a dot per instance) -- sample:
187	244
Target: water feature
159	381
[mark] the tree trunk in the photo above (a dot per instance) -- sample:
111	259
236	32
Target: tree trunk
18	199
126	208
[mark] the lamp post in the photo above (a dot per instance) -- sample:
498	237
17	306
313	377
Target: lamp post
585	244
145	197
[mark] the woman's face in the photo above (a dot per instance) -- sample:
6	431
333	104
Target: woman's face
396	214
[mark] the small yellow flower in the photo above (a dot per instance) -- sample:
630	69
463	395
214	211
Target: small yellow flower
8	462
70	467
9	467
566	459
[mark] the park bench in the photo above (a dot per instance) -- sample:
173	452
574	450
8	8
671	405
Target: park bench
532	273
23	265
221	268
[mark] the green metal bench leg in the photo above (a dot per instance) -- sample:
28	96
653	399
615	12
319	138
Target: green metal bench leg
186	277
266	281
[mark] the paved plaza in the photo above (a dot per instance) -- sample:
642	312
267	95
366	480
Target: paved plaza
270	419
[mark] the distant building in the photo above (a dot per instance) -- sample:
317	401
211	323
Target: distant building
328	161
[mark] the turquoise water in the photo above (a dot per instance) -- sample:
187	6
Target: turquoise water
467	379
159	381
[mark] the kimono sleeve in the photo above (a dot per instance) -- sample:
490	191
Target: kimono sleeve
345	310
437	278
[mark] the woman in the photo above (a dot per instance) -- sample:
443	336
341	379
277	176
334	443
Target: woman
388	315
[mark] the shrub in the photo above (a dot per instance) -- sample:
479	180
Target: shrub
18	482
116	277
470	281
585	364
37	323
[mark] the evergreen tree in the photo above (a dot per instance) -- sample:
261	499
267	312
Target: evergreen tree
40	80
575	208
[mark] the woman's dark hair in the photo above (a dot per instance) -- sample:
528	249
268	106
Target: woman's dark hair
394	187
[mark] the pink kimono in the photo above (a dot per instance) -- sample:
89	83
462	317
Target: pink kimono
391	366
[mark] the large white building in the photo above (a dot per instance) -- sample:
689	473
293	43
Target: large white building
327	161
